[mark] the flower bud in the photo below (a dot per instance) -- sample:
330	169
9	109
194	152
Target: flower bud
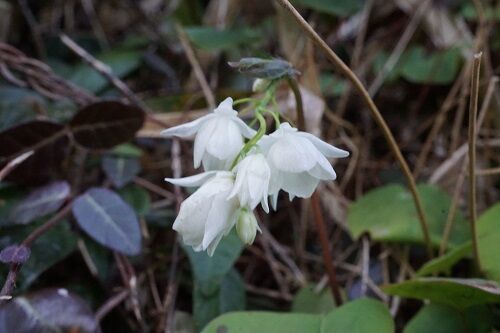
247	226
260	85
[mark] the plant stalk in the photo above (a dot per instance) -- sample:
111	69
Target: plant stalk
379	119
474	92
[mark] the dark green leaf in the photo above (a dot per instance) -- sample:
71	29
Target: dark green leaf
265	322
120	170
334	7
210	274
120	62
438	67
104	125
388	214
105	217
360	316
48	311
137	197
42	201
488	234
445	262
51	248
445	319
230	297
458	293
210	38
308	300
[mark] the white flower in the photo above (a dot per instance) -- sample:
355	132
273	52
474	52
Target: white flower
219	136
297	161
252	181
247	226
208	214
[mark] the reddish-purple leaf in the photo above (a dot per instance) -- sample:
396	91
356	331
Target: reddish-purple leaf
32	135
104	125
42	201
49	310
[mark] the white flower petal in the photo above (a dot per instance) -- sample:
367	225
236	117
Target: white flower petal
192	181
326	149
226	140
245	130
226	108
220	219
301	184
201	141
186	129
292	154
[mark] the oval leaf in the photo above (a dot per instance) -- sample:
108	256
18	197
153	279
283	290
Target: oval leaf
40	202
28	136
15	254
260	321
104	125
445	262
109	220
359	316
120	170
488	234
445	319
388	214
458	293
50	310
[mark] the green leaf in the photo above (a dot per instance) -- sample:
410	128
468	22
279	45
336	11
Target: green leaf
230	297
260	321
445	262
308	300
137	197
360	316
209	271
388	214
212	39
458	293
488	234
439	67
121	63
341	8
126	150
445	319
211	278
51	248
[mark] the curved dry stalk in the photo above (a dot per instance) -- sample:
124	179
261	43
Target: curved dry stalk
379	119
472	153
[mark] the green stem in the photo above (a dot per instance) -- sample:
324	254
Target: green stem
253	141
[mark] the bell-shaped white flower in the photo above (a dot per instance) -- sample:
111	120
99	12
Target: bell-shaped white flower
219	136
298	161
247	226
252	181
207	215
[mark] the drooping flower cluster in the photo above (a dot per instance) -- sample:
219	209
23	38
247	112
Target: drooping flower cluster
239	176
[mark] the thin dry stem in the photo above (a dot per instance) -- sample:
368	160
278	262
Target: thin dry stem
472	153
